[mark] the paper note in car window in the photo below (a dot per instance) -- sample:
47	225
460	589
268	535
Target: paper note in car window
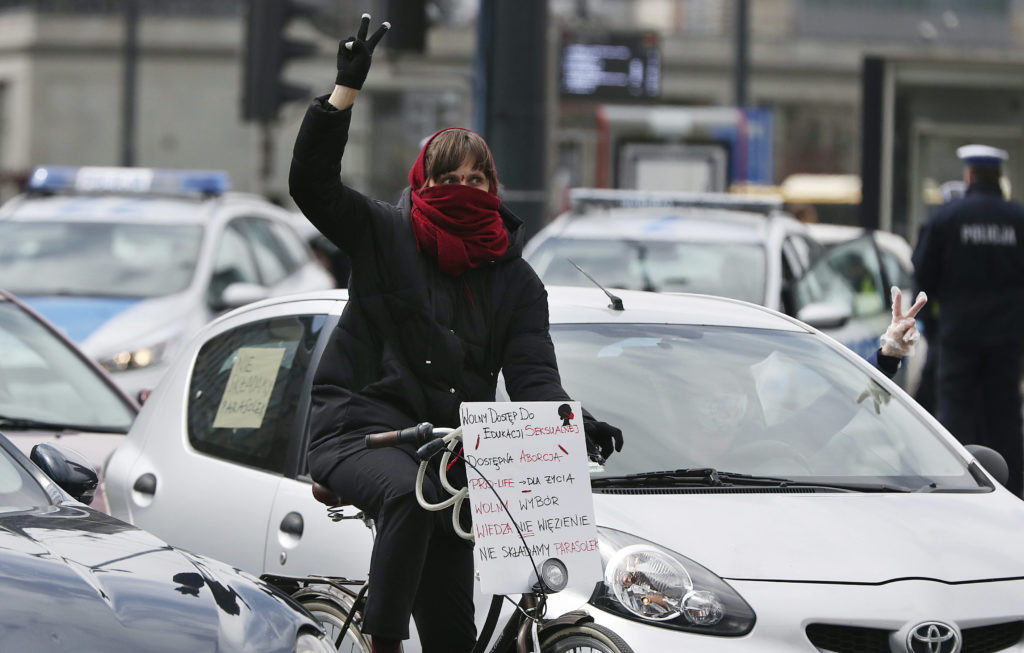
248	390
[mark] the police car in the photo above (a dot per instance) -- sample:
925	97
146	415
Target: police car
131	262
738	246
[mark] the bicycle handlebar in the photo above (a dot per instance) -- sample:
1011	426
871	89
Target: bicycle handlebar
415	435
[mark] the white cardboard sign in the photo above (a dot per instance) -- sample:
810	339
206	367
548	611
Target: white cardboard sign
534	456
248	390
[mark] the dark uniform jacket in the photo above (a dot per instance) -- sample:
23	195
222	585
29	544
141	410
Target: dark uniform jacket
412	342
970	260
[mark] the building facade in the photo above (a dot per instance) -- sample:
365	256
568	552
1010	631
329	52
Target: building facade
62	84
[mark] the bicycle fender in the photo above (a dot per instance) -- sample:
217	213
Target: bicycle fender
573	618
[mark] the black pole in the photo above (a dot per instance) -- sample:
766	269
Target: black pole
131	51
266	155
131	54
872	110
483	64
742	56
511	101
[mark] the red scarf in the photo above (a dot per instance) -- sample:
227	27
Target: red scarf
459	225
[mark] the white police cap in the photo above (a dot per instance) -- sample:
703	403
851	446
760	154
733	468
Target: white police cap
981	155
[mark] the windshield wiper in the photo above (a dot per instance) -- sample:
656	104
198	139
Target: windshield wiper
710	477
24	424
696	476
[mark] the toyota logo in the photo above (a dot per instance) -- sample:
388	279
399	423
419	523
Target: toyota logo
933	637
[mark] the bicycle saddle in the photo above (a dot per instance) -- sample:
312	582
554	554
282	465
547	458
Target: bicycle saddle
324	495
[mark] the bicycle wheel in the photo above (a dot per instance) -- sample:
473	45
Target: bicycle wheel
332	617
584	638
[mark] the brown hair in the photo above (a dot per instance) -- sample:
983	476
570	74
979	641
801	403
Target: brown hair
450	148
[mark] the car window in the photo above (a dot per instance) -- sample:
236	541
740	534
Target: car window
849	275
96	258
751	401
233	263
735	270
791	267
273	258
296	250
18	489
42	379
895	272
821	284
857	263
247	388
804	251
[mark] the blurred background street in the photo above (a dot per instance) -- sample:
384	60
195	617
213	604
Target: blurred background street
871	96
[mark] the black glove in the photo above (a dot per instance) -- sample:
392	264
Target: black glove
354	54
604	435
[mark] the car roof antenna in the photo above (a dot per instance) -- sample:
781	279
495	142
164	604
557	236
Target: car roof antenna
616	301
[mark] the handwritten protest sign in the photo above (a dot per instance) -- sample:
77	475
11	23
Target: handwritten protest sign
248	389
534	456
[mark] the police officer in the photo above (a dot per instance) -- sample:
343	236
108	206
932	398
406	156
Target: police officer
970	259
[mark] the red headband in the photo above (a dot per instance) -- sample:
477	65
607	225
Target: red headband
418	172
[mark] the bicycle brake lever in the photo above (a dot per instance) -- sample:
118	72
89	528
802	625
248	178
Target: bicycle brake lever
430	449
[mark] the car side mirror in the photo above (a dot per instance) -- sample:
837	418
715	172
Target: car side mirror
240	294
822	315
68	469
992	461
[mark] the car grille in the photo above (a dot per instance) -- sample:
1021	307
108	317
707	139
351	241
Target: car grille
854	639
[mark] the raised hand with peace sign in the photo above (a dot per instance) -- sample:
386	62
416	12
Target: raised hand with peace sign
899	339
355	52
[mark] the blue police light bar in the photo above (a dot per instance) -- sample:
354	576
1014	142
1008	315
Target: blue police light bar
150	181
585	199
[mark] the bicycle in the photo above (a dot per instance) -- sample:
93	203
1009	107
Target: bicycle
337	602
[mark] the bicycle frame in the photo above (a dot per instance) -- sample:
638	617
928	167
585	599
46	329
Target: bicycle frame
525	628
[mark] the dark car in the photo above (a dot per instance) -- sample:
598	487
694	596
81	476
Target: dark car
77	579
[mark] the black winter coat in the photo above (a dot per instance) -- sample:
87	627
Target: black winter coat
969	258
412	343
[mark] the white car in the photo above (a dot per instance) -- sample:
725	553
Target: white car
733	245
807	499
131	262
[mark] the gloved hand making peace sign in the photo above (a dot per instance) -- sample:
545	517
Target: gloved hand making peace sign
355	52
899	339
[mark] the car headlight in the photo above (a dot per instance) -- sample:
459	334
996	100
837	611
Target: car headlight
132	359
651	584
312	643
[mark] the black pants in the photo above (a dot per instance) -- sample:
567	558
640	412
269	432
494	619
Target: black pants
979	400
419	566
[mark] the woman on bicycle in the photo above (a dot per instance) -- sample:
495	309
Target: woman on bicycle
440	302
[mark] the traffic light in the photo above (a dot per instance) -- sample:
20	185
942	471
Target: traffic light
267	51
409	25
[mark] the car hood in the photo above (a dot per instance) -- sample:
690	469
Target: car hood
75	578
831	537
79	317
100	325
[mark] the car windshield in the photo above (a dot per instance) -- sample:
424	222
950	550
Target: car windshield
735	270
96	258
42	379
750	401
18	489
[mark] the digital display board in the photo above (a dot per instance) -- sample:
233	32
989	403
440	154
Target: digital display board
623	66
